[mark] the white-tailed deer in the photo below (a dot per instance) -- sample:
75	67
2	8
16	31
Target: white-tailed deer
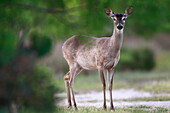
90	53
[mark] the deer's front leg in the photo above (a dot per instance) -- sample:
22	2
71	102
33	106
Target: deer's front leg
101	73
110	73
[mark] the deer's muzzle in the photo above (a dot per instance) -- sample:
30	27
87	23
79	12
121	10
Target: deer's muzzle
119	26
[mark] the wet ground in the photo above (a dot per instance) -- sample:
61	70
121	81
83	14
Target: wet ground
95	99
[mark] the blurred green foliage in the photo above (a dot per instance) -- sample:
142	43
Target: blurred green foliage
42	22
136	59
39	89
34	91
22	82
61	19
7	46
40	44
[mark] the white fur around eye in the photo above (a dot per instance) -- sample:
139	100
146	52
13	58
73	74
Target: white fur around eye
123	18
114	18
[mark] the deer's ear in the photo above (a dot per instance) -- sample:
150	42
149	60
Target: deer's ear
128	11
109	12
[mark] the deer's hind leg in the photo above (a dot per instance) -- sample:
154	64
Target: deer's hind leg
74	70
66	79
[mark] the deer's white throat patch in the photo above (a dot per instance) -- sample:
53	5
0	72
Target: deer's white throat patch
119	31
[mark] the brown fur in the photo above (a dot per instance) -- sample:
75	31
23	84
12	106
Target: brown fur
103	53
90	53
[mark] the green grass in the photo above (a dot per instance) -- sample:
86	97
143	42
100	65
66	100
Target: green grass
130	109
156	87
163	61
155	82
153	98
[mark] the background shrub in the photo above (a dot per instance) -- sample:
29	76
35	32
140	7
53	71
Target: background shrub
136	59
22	82
39	89
41	44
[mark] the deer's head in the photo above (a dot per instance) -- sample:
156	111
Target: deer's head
119	19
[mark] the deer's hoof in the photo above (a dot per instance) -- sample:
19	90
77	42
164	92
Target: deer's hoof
75	108
69	107
104	107
112	109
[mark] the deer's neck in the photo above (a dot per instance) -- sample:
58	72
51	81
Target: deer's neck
116	40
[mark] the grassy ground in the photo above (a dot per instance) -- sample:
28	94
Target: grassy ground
162	60
155	82
131	109
153	98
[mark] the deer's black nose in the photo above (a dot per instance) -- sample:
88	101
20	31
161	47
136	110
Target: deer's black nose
119	27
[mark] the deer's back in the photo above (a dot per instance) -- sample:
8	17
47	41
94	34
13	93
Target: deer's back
78	49
76	43
86	51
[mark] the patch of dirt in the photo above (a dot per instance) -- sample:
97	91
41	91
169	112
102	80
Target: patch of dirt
95	99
